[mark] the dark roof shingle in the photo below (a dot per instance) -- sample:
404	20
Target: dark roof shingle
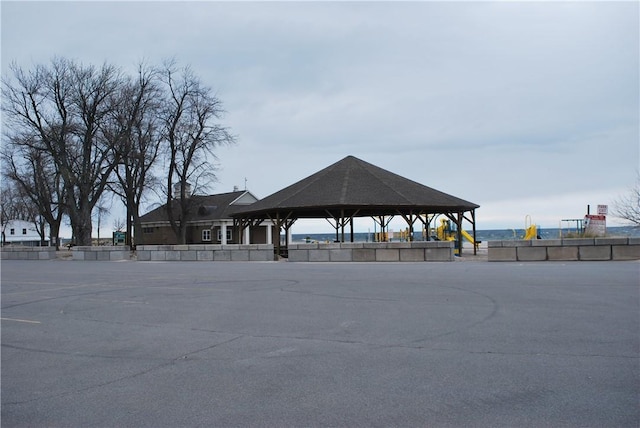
352	183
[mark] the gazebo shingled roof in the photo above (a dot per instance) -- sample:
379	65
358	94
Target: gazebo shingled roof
351	188
351	184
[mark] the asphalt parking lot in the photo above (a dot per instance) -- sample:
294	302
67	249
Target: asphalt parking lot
149	344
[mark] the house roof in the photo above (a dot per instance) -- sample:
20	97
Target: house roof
211	207
353	185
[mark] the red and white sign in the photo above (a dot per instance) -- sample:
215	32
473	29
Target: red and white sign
595	225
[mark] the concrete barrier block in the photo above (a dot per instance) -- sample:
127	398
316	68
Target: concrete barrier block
118	255
265	247
438	254
611	241
188	256
320	255
399	245
330	246
173	256
562	253
43	255
180	247
341	255
531	254
222	256
309	246
364	255
352	245
517	243
296	255
102	255
445	244
197	247
158	255
32	255
494	244
546	242
625	252
143	255
260	256
204	255
412	254
388	255
374	245
578	241
592	252
248	246
231	247
240	256
503	254
634	241
421	244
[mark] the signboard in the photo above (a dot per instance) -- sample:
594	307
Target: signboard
603	209
119	238
595	225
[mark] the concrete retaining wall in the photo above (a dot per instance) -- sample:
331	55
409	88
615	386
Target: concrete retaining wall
417	251
231	252
586	249
101	253
28	253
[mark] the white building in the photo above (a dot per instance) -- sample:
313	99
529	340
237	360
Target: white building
20	232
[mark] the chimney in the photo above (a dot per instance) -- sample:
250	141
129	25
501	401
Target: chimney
177	187
235	188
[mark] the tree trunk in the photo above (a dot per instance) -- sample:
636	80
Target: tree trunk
54	232
129	230
138	236
82	226
182	238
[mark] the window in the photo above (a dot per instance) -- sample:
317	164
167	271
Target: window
229	237
206	234
12	232
147	230
24	231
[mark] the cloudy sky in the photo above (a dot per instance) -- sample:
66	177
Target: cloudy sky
525	108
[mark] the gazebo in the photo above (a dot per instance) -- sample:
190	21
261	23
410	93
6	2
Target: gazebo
353	188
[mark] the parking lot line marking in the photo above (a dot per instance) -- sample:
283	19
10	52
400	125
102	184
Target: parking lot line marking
19	320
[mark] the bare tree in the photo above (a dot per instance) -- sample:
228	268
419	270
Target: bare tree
66	105
35	176
191	135
137	124
627	207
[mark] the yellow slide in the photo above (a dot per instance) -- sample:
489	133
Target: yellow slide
531	233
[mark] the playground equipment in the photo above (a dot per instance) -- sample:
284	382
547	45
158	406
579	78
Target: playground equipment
446	232
530	229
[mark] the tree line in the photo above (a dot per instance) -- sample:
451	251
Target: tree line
75	132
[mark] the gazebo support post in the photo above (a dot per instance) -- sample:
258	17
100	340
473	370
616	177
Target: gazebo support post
459	233
351	227
410	219
282	223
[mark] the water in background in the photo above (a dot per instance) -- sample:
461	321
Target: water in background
481	235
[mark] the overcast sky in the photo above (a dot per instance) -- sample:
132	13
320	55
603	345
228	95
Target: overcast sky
524	108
